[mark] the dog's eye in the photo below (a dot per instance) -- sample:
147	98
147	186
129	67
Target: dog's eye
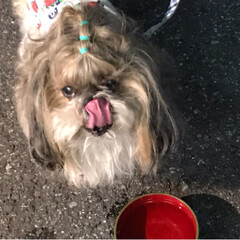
68	91
111	84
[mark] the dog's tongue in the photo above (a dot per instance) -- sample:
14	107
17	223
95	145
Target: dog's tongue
99	113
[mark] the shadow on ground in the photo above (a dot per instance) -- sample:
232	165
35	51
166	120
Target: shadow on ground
217	218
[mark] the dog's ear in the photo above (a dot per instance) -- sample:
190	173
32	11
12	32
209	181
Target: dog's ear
145	148
33	73
39	147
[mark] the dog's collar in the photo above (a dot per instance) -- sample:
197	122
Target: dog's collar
44	13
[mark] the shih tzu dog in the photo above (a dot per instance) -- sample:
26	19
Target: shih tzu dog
87	95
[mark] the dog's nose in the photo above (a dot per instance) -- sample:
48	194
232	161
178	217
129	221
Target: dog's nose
99	115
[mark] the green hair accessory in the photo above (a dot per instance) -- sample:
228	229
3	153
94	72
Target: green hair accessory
83	22
82	38
83	50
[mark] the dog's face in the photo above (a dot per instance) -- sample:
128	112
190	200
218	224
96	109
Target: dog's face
90	112
79	100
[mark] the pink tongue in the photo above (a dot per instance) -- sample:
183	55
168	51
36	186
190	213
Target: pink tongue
99	113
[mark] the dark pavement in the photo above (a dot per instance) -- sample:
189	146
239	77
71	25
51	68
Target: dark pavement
203	38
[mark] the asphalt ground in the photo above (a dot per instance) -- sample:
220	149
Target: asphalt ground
203	39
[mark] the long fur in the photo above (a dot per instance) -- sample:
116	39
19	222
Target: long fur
142	130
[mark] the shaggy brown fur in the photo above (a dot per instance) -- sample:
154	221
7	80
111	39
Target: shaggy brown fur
54	124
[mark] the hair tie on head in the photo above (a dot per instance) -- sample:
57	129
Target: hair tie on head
83	22
83	50
81	38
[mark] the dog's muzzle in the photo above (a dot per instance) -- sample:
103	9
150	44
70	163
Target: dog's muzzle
99	116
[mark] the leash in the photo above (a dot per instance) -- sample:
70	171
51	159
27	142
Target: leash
173	5
170	11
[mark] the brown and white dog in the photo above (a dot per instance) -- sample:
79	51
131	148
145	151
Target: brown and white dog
87	96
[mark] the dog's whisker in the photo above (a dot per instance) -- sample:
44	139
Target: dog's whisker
86	144
111	134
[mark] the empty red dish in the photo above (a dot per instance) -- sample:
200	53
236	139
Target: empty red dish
156	216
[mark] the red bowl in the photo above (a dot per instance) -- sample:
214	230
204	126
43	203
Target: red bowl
156	216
